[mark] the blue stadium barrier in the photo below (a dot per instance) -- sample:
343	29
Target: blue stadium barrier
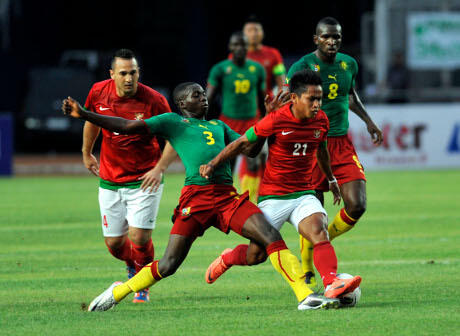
6	144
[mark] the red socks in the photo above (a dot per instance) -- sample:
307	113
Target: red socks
237	256
325	261
134	255
142	255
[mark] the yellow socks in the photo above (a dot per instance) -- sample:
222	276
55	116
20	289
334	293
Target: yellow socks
288	266
141	280
342	223
306	254
251	183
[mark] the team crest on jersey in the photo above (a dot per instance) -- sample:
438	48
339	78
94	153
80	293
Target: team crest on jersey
344	65
228	70
316	134
316	67
139	116
252	68
186	211
212	122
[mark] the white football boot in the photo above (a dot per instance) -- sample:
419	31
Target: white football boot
105	301
317	301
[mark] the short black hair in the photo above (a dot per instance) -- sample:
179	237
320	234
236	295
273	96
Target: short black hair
301	79
253	19
180	92
124	54
328	20
238	34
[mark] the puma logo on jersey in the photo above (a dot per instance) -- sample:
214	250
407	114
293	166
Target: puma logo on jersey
104	108
332	77
286	133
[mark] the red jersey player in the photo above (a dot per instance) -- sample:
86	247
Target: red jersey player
297	133
269	57
125	160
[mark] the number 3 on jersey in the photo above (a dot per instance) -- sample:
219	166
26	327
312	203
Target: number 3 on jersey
209	137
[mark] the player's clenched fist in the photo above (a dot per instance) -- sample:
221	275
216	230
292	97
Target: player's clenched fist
206	170
71	107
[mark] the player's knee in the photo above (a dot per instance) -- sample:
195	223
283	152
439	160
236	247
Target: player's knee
256	257
114	243
140	237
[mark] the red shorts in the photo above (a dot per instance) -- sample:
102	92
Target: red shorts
238	125
211	205
344	163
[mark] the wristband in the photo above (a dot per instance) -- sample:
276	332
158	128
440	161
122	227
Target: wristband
334	180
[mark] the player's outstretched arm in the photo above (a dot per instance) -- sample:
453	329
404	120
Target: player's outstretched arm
357	107
324	163
240	145
114	124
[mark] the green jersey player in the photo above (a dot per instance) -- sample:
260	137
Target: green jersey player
338	73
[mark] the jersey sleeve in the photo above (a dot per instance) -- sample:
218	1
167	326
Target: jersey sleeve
297	66
262	76
89	101
161	106
354	69
278	68
230	135
265	127
164	124
215	75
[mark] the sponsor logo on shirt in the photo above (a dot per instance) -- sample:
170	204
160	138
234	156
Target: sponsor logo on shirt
332	77
286	132
240	75
104	108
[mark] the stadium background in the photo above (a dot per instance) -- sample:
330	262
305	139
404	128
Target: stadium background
52	258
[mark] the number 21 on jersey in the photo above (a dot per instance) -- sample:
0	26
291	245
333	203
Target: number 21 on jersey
300	149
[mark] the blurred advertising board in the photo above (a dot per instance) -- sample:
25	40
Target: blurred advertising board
416	136
433	40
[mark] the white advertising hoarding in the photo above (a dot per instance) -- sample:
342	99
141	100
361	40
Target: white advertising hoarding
433	40
416	136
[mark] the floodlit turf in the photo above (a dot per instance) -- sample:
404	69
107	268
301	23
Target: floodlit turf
53	261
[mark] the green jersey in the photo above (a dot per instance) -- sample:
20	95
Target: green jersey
338	80
239	87
197	142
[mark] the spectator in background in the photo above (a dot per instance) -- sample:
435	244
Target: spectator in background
397	79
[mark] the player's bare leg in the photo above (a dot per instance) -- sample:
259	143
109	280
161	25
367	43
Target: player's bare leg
176	251
314	228
354	198
263	235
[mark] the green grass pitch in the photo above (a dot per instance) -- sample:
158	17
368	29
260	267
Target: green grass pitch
53	261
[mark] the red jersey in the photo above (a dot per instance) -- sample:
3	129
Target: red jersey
272	61
125	158
292	150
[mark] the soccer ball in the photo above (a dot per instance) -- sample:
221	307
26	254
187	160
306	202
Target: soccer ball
352	298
